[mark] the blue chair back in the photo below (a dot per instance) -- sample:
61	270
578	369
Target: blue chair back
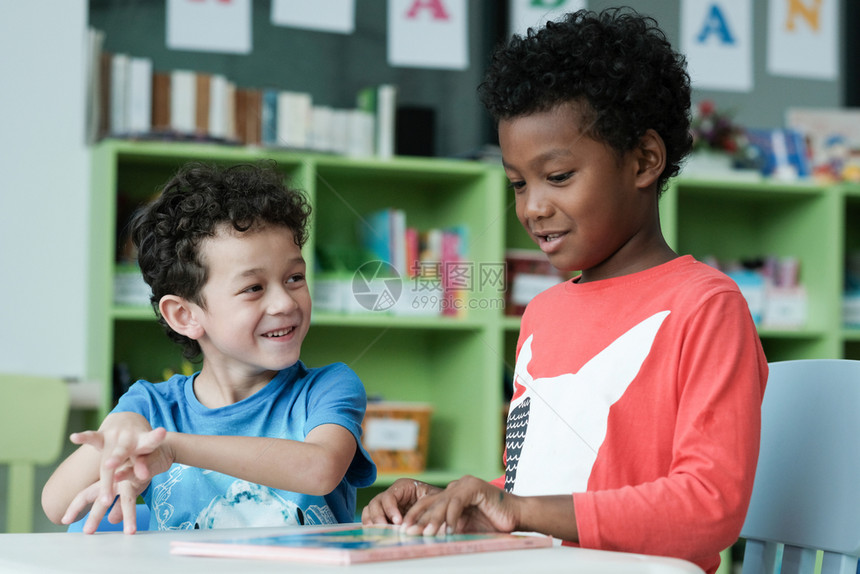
806	495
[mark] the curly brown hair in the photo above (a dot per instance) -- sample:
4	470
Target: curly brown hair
199	199
616	61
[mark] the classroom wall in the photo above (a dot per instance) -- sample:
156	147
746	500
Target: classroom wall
44	187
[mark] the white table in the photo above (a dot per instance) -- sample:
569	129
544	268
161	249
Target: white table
149	552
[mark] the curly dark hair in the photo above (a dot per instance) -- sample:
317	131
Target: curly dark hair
191	207
617	61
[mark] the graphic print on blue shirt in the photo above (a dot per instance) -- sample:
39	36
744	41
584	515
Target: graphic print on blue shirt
233	503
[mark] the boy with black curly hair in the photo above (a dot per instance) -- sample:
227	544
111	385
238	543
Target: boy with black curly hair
255	438
635	420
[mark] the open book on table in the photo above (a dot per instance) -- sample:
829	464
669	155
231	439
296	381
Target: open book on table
350	544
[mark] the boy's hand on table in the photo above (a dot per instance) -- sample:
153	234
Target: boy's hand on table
389	506
466	505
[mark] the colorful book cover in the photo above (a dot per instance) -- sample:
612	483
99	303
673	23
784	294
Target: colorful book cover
374	231
269	117
455	274
351	544
411	240
397	246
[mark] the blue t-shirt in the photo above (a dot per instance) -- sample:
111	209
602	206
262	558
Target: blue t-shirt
294	402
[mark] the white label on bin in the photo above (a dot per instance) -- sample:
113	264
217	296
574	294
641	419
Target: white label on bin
391	434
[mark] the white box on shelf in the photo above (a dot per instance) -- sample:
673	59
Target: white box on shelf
129	288
785	307
851	309
331	292
417	301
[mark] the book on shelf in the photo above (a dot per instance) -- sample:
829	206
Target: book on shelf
381	102
456	273
352	544
386	110
359	134
130	94
160	101
269	117
375	234
319	134
202	93
183	101
413	250
139	96
119	70
95	45
104	94
383	234
292	123
222	104
249	116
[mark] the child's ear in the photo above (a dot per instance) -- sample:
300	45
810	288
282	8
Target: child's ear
178	312
651	158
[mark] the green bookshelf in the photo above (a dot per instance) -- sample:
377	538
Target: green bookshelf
455	363
458	364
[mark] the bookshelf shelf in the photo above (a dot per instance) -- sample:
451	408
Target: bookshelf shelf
395	322
133	313
460	364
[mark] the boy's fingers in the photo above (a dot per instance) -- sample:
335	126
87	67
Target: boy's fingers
381	510
128	502
416	518
78	503
151	440
91	438
97	512
391	510
106	489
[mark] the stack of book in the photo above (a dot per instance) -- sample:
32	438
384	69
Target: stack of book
432	262
402	270
129	98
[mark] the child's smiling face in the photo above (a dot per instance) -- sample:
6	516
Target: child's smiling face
578	199
257	303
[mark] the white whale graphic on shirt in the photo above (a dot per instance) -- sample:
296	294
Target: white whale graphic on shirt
563	419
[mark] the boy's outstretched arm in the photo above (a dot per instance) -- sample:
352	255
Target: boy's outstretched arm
314	466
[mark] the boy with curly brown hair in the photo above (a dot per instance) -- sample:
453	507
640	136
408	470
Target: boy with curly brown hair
255	438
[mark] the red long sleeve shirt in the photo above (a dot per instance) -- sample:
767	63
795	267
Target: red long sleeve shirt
641	395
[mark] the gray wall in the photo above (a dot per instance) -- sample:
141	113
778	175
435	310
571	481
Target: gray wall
765	105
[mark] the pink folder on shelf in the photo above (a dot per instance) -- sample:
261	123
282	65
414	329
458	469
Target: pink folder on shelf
351	544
